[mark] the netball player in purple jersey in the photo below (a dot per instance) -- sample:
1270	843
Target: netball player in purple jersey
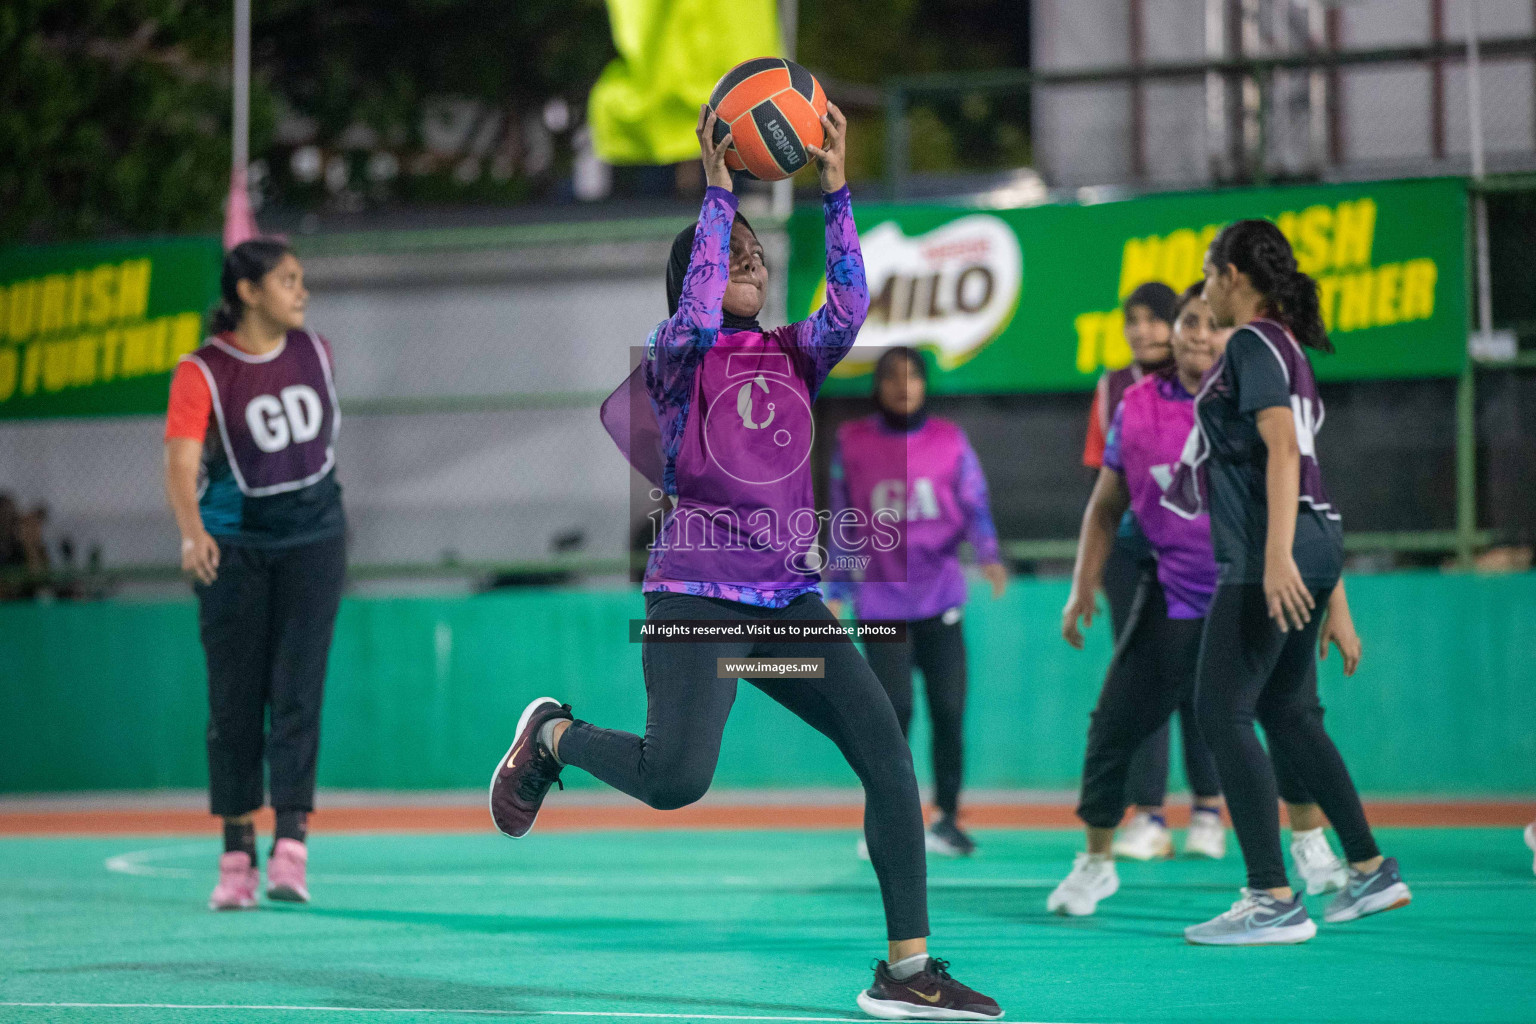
1153	671
1279	597
1149	320
250	473
922	471
723	428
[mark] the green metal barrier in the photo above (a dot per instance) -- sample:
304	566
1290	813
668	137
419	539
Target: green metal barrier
423	691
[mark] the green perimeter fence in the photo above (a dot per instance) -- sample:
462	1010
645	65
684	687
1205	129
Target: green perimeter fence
422	692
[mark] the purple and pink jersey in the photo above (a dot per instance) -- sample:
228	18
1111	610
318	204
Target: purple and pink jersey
1146	438
913	497
725	425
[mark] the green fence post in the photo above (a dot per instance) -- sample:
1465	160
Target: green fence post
1466	465
896	155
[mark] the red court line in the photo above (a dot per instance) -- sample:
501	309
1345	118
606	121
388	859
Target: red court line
555	818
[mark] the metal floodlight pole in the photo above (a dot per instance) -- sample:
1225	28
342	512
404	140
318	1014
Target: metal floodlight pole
241	131
1466	391
1479	167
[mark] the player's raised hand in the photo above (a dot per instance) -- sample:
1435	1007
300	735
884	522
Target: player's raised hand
713	153
832	155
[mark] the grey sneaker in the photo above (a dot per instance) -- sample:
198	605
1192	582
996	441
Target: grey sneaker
1382	889
1258	919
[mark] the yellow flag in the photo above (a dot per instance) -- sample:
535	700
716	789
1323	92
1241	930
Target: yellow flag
645	105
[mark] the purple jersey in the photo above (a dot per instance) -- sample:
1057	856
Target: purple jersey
729	429
1148	434
277	413
1225	460
905	500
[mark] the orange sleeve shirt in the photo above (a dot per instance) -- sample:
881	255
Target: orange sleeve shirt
1093	447
191	404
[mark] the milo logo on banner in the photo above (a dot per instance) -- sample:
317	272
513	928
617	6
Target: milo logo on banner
950	291
1333	243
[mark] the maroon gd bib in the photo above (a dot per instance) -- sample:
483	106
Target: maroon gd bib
278	414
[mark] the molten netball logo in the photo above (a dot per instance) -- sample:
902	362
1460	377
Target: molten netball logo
760	430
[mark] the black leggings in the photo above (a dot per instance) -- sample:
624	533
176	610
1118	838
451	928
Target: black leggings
1146	783
1250	669
1153	669
1152	674
266	624
938	648
686	709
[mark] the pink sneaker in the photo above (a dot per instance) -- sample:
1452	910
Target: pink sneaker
285	872
237	883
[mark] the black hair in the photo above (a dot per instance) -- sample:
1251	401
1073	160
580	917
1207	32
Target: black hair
1258	249
248	261
1157	298
1188	295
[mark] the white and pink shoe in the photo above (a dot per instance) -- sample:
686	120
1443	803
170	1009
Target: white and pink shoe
237	883
285	872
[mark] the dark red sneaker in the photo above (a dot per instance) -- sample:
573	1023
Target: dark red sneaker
930	994
527	771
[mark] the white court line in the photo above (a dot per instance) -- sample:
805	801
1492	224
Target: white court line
138	863
434	1009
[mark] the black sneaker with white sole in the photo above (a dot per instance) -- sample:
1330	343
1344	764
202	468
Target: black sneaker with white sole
930	994
946	839
527	771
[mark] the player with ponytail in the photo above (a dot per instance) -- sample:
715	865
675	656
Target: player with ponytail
250	472
1279	548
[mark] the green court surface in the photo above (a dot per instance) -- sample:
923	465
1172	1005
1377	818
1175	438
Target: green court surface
728	926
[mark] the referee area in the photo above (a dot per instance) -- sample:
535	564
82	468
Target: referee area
745	907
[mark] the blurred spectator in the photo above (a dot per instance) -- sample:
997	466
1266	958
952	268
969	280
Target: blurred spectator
22	551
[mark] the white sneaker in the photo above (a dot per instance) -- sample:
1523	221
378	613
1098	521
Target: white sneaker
862	849
1317	863
1207	836
1145	838
1092	879
1530	840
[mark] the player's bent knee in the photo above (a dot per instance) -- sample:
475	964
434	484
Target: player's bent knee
671	794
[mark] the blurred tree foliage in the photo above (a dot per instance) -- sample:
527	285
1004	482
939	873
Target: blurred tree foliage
113	117
114	114
856	41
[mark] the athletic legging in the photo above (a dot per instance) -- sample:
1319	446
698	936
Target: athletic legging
1250	669
1152	673
1146	782
938	648
266	623
686	709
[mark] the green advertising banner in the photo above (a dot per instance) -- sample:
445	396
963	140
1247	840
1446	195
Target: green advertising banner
95	329
1028	299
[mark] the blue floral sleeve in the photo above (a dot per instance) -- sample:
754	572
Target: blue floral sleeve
826	337
676	348
979	529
